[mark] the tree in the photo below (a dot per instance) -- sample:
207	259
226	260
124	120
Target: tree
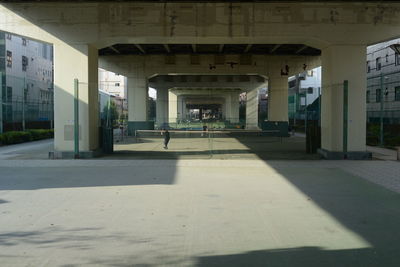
110	112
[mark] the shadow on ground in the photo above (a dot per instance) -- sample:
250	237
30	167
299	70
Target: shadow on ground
233	147
366	209
32	178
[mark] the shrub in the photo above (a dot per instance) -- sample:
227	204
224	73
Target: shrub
39	134
16	137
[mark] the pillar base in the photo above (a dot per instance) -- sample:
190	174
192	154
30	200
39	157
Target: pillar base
71	154
352	155
139	125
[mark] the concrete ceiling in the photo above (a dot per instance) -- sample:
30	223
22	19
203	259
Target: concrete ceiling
157	49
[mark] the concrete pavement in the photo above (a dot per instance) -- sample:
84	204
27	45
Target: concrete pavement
197	213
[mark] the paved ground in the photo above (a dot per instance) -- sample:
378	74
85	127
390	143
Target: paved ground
198	212
31	150
218	147
382	153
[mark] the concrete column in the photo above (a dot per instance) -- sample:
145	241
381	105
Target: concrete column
137	102
235	108
172	107
78	62
179	107
341	63
227	107
278	98
162	107
252	109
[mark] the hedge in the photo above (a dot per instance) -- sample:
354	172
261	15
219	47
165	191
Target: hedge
16	137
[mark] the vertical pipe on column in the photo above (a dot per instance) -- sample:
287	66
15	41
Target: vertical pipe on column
76	118
23	104
381	113
345	115
1	102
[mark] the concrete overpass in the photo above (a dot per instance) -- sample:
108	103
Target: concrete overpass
268	38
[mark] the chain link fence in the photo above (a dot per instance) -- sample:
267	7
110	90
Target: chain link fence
25	103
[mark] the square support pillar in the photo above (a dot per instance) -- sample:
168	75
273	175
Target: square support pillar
162	112
278	98
340	63
234	103
227	107
252	109
75	62
138	102
172	107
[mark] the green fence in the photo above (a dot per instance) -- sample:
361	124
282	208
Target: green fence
25	103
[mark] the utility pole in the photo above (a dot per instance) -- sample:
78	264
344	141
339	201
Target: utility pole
76	118
23	104
381	113
1	102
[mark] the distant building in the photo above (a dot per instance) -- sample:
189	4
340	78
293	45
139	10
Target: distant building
304	90
112	83
383	82
113	87
27	89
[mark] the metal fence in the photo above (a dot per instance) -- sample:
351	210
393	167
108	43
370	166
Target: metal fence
25	103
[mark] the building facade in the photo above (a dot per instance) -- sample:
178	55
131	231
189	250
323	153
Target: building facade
304	90
27	87
113	87
383	83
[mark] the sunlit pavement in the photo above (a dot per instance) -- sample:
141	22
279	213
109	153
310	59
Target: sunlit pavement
199	213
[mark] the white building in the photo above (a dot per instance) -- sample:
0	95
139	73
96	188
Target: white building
113	87
304	89
27	83
112	83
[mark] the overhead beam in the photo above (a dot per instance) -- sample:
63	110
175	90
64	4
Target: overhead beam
301	49
194	48
115	49
138	46
275	48
167	48
248	47
221	48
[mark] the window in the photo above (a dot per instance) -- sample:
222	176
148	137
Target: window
378	63
368	67
24	63
117	84
23	41
310	73
368	95
8	36
387	58
397	93
378	95
310	90
9	59
44	51
397	59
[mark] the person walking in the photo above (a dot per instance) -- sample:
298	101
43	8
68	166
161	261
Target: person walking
166	139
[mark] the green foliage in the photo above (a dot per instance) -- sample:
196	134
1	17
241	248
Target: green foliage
112	112
39	134
16	137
